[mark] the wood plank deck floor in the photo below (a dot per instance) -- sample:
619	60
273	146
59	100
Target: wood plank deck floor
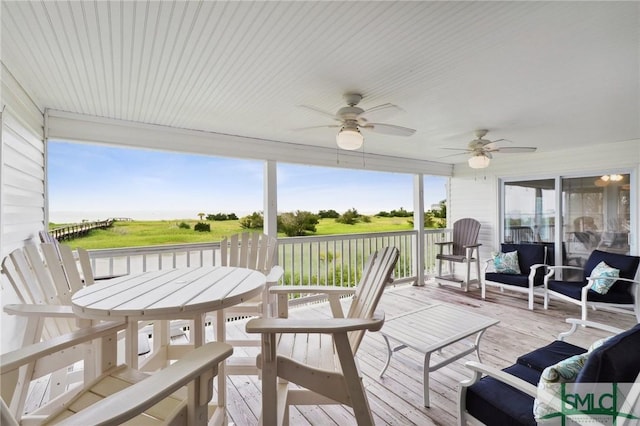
397	398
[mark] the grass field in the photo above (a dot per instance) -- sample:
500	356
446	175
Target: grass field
149	233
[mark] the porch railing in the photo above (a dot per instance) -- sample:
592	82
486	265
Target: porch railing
335	260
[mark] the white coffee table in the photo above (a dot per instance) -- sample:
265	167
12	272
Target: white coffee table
431	329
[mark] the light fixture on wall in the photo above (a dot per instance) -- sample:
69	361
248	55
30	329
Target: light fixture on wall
349	137
605	180
612	178
479	161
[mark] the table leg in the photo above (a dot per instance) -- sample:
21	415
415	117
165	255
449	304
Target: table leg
222	377
389	353
131	344
425	373
477	344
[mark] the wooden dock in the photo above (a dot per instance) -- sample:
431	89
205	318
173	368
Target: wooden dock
70	232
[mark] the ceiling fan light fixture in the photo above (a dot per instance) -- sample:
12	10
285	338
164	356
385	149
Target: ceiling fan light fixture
349	138
479	161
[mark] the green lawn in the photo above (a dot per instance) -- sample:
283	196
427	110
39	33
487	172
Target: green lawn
148	233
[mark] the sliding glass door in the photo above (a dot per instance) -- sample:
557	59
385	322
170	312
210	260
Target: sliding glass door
596	215
593	212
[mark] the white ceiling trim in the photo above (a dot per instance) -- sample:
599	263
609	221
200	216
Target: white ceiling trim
68	126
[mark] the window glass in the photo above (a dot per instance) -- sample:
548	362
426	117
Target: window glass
529	211
596	215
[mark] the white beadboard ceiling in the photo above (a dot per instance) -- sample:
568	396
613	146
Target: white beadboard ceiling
545	74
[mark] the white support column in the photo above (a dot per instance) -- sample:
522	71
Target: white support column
270	198
418	225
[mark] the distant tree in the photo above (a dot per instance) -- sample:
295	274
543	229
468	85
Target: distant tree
202	227
365	219
298	223
254	221
383	214
221	216
328	214
201	215
184	225
400	213
350	217
436	218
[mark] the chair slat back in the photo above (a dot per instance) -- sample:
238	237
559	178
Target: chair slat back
18	270
375	276
251	250
57	272
465	232
32	281
85	265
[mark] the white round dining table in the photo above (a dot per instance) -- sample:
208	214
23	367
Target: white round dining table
170	294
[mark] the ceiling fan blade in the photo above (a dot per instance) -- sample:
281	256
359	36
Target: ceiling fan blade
491	146
389	129
380	112
454	155
514	149
458	149
320	111
316	127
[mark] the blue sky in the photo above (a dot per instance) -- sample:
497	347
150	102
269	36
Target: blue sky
93	182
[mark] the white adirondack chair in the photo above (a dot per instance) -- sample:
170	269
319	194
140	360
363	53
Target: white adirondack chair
45	296
259	252
120	393
319	355
44	277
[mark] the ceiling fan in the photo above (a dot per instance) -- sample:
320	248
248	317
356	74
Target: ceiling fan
352	119
481	150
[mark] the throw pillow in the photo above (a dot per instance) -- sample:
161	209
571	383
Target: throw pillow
548	400
506	263
602	285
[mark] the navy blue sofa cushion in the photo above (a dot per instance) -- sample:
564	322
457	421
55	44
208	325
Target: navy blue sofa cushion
528	255
497	404
616	361
618	293
573	289
548	355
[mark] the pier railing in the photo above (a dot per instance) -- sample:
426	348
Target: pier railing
78	229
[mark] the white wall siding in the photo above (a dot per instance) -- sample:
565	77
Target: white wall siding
475	193
22	184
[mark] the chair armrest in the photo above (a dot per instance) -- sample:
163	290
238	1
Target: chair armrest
328	326
592	278
471	245
534	268
32	310
311	289
15	359
574	268
129	402
575	322
552	270
501	376
275	274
